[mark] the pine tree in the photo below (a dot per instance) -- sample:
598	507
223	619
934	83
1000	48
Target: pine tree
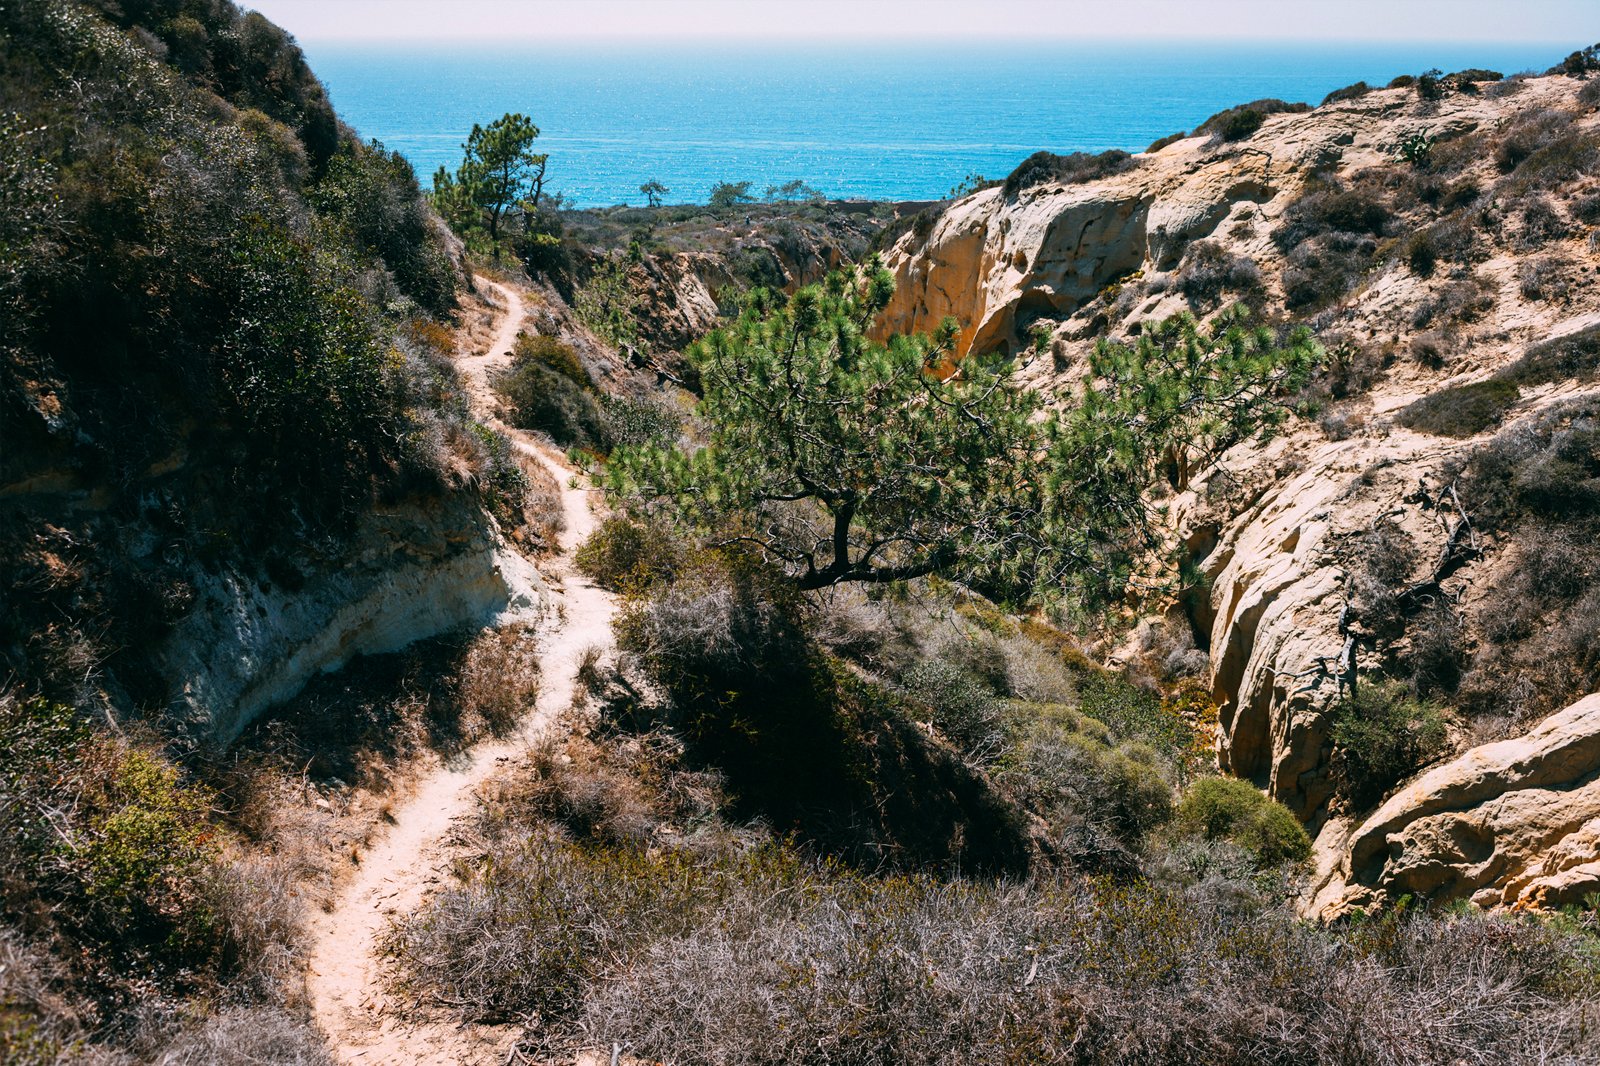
499	171
653	192
841	459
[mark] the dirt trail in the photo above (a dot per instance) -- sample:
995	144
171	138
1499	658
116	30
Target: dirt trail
362	1023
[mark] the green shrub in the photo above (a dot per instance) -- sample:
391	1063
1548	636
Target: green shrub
1349	92
1461	411
1236	124
1381	733
548	401
1241	122
149	834
373	194
963	709
1099	798
1071	169
605	301
1580	64
107	836
1133	713
626	554
554	354
803	741
1226	808
1162	142
646	420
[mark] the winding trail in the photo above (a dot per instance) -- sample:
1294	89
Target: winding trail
345	976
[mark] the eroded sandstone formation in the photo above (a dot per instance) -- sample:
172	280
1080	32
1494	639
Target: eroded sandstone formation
1276	529
1515	822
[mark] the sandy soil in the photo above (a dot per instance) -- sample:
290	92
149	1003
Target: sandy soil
345	981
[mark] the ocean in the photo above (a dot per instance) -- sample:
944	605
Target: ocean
889	122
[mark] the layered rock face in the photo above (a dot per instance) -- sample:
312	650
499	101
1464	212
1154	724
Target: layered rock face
994	264
1516	822
1278	531
411	573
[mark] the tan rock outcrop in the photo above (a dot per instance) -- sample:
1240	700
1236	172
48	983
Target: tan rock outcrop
991	261
1271	528
1513	823
1278	586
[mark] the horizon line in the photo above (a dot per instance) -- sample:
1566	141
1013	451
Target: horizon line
503	40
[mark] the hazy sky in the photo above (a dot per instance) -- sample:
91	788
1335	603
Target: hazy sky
885	21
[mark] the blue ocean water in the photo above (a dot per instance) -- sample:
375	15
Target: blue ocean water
884	123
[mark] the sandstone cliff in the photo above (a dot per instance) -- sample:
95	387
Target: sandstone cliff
1442	250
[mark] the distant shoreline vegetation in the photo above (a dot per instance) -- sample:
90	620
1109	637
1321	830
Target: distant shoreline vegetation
911	125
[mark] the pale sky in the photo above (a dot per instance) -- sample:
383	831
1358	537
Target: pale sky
888	21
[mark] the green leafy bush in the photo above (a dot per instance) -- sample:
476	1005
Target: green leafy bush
802	741
203	291
553	354
962	709
642	421
373	195
122	855
605	300
149	834
1381	733
1226	808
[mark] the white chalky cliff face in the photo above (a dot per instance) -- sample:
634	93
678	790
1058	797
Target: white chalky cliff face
414	572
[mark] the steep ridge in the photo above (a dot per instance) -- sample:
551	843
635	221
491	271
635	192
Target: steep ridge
345	979
230	460
1320	217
